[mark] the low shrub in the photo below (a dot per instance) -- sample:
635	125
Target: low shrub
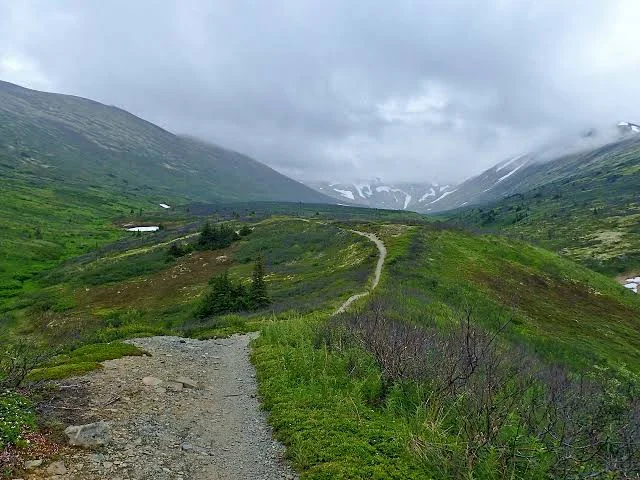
17	360
177	250
506	411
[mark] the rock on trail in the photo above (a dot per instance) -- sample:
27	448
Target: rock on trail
210	427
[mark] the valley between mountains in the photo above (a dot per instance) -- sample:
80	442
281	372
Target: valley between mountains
226	321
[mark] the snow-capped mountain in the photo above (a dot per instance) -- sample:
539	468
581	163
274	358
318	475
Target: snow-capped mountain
379	194
558	160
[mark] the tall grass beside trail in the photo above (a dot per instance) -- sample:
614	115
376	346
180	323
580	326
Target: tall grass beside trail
366	396
321	406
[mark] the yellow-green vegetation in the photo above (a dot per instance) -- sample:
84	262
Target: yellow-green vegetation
82	359
590	214
565	311
42	226
98	300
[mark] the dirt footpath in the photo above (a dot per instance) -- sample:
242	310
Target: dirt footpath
171	431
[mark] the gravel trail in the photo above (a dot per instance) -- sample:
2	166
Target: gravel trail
215	431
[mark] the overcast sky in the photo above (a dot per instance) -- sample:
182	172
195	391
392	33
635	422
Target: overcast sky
341	89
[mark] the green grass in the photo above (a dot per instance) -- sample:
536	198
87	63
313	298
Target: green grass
17	415
309	265
564	311
82	360
45	224
317	403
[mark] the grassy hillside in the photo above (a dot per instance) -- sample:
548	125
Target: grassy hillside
563	311
365	395
141	290
591	215
71	166
43	223
72	139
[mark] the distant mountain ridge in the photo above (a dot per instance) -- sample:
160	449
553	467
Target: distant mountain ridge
530	170
71	139
513	175
379	194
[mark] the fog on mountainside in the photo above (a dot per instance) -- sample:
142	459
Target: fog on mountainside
413	92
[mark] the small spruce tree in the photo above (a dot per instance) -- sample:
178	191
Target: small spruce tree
206	235
258	295
224	296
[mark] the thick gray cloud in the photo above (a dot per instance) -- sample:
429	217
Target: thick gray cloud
406	90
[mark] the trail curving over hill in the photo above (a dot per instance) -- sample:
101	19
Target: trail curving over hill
163	429
376	275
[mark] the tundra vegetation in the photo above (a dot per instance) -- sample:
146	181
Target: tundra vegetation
477	356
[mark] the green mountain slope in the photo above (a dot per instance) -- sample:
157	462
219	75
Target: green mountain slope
566	312
589	210
79	141
525	172
69	166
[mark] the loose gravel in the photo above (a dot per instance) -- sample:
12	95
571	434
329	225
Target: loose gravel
171	431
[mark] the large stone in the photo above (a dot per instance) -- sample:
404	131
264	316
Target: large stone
89	435
187	382
57	468
151	381
174	386
31	464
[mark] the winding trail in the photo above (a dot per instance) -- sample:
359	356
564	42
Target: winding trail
162	430
376	276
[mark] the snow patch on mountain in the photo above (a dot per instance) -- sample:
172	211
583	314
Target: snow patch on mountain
345	193
430	193
510	173
363	187
445	194
507	163
631	126
376	194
